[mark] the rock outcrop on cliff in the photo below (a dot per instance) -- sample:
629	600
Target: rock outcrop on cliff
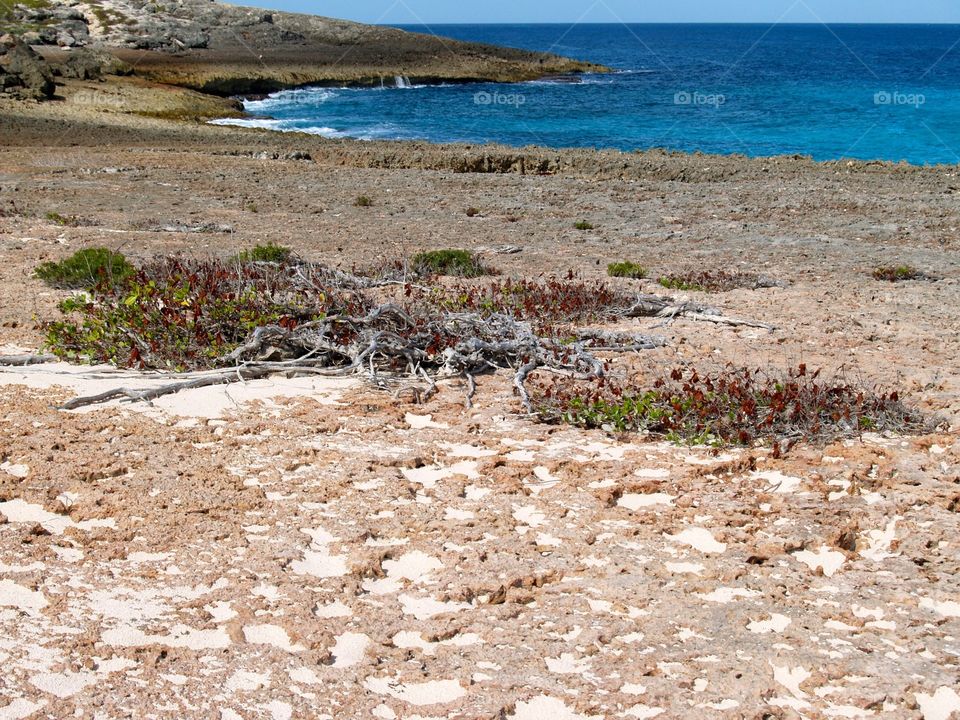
224	49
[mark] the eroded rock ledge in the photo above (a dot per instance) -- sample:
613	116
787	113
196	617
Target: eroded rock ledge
227	50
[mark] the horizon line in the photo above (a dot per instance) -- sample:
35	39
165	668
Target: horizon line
671	22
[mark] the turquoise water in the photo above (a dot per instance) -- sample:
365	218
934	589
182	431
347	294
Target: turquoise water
889	92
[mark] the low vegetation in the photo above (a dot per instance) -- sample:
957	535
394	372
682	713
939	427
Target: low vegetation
544	302
899	273
583	225
459	263
86	269
270	253
627	269
267	311
734	406
7	24
363	202
63	220
183	314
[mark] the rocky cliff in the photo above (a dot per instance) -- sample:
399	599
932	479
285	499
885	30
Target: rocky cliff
224	49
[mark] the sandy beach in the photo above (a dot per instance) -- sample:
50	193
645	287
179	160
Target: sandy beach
310	549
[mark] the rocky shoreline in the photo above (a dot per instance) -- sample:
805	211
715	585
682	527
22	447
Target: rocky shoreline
226	50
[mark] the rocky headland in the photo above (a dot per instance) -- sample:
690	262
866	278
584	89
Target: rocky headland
223	50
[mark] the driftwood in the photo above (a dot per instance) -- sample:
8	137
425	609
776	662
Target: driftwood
407	354
392	349
24	360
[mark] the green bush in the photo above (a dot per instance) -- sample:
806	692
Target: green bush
266	253
461	263
898	273
583	225
626	269
85	269
178	313
733	406
63	220
674	282
363	201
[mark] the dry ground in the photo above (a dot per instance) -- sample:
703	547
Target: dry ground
340	554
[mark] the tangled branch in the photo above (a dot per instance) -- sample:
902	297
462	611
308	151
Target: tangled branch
245	321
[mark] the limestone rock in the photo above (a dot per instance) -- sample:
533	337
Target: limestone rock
89	64
28	73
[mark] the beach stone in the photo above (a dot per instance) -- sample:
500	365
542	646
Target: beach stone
34	74
193	39
89	64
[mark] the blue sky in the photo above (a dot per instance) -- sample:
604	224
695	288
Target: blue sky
569	11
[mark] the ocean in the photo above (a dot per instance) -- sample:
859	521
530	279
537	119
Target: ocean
870	92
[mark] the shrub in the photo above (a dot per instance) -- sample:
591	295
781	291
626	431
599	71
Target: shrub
461	263
363	201
472	212
543	302
735	406
85	269
673	282
583	225
899	273
63	220
266	253
183	314
626	269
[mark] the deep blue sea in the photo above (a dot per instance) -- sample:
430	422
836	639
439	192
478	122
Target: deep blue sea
888	92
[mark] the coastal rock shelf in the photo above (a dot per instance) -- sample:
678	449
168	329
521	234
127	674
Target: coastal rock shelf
228	50
308	569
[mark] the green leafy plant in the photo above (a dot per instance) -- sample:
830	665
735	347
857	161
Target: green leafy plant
626	269
63	220
544	303
85	269
266	253
461	263
672	282
899	273
583	225
363	202
184	314
735	406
